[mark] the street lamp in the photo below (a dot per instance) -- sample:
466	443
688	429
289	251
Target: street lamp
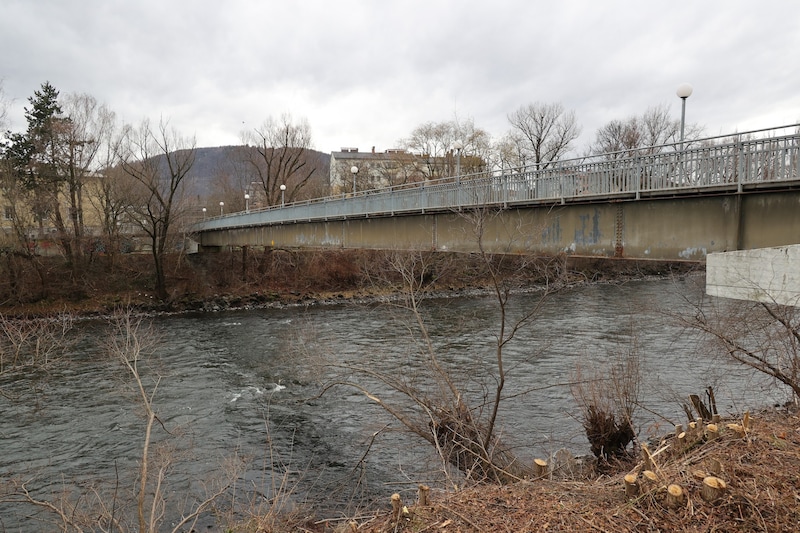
221	207
204	213
354	170
684	91
283	192
246	202
458	146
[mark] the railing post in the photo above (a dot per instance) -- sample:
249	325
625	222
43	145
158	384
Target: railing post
505	190
639	176
740	164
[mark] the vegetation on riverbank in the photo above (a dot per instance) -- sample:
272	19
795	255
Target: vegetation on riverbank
213	282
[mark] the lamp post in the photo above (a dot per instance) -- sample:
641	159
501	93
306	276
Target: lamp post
354	170
204	213
283	192
458	146
684	91
246	202
221	208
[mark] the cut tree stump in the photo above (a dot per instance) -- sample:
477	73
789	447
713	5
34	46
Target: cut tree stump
424	493
397	504
675	497
712	432
712	489
631	485
540	467
649	481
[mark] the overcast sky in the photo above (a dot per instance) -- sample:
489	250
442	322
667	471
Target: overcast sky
366	73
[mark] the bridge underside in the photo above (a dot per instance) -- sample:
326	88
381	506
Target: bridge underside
680	228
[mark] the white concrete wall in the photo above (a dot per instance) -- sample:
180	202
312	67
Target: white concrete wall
764	275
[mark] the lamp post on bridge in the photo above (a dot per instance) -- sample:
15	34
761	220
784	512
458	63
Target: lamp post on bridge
204	213
458	146
684	91
221	208
283	192
246	202
354	171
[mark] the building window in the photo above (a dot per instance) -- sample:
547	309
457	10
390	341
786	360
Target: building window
8	213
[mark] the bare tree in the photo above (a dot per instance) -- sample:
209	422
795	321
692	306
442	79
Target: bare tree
434	405
641	134
282	157
90	126
4	105
110	192
436	145
545	132
158	160
509	152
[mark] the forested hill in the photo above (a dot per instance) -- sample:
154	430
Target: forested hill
216	164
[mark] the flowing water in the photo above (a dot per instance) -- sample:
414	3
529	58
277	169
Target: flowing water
239	392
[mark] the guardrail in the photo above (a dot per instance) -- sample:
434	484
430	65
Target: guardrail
760	156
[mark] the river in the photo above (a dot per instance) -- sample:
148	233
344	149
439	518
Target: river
237	394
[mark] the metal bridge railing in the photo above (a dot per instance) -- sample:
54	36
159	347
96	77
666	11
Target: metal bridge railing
762	156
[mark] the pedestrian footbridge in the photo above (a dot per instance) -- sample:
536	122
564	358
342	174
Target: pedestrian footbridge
721	194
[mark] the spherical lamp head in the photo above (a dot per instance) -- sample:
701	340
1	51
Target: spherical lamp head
684	91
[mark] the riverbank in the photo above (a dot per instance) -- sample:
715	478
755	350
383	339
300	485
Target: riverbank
759	468
46	286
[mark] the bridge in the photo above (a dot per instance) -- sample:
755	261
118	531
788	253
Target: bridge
671	202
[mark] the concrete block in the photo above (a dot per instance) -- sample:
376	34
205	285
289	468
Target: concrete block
765	275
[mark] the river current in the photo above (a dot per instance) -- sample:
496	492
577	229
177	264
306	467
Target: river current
237	392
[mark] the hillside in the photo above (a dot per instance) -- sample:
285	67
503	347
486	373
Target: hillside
219	163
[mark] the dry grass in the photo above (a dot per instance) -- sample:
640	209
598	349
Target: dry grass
762	471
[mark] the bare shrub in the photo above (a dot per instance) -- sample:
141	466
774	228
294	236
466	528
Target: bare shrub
759	335
608	400
33	342
131	341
